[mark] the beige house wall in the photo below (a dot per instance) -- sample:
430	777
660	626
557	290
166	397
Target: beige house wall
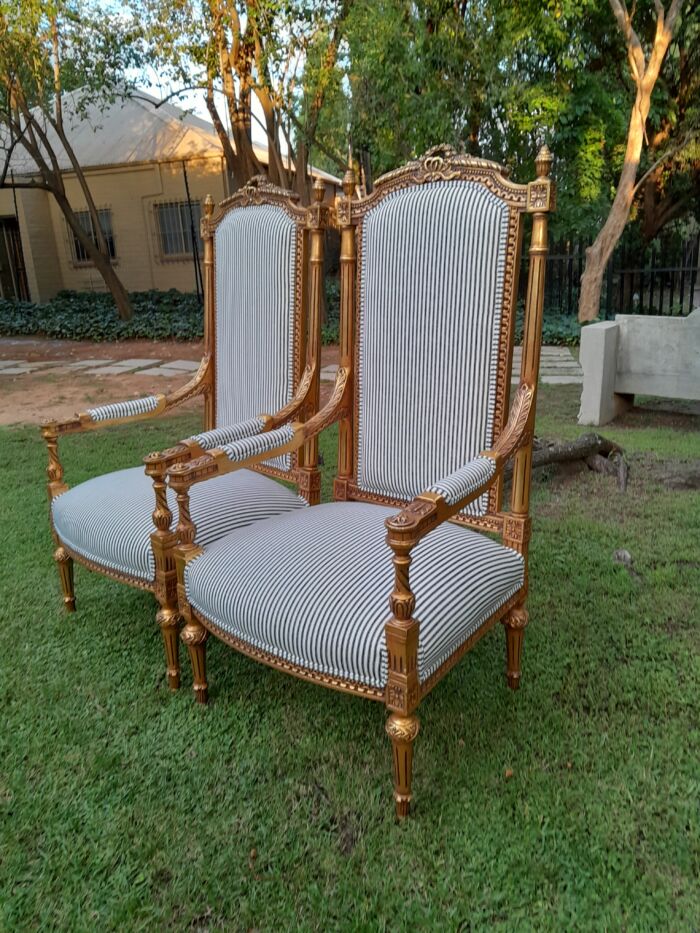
131	193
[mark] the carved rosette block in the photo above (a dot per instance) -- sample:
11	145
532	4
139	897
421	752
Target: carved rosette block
64	563
309	484
515	623
402	731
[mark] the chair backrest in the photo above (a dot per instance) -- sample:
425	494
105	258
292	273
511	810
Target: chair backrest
438	244
258	317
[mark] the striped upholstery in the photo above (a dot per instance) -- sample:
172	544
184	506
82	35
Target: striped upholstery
431	289
138	406
219	436
108	519
255	272
325	604
250	446
462	482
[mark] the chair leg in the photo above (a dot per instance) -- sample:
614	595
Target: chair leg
194	635
169	622
64	562
515	623
402	730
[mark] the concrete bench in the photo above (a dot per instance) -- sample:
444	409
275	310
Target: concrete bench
637	354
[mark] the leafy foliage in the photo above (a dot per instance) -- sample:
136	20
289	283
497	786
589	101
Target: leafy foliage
168	315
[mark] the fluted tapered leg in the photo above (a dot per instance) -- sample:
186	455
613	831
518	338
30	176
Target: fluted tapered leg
64	563
169	622
514	623
194	635
402	730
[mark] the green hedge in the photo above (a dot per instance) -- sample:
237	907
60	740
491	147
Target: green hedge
169	315
175	315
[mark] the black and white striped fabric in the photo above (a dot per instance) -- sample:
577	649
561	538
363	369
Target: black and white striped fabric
323	599
250	446
255	270
108	519
138	406
234	432
465	480
431	289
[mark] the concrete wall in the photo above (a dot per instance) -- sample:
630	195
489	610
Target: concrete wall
638	355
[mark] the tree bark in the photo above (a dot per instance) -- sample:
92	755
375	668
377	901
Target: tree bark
644	74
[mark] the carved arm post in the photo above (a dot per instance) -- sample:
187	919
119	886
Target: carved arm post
348	261
193	634
517	527
309	475
209	307
403	687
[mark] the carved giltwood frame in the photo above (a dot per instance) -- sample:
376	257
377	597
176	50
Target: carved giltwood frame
310	223
512	438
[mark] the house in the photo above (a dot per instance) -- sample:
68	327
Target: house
149	169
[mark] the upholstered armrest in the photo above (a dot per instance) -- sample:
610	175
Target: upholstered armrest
451	494
464	482
158	462
117	413
130	409
271	441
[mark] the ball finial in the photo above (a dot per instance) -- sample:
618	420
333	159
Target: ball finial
543	162
319	191
208	205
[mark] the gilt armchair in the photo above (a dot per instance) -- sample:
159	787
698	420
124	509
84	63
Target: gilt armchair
263	260
354	595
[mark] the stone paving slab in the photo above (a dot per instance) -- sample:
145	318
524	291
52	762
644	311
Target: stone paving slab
87	364
161	371
189	366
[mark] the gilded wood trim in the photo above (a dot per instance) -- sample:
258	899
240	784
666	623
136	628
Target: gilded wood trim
130	580
296	670
456	656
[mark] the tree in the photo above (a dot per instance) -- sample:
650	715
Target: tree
644	69
281	55
56	60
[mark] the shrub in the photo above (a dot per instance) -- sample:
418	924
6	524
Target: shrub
170	315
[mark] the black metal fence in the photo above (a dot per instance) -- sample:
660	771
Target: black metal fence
661	279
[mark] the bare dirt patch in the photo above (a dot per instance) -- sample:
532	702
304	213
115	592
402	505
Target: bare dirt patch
32	397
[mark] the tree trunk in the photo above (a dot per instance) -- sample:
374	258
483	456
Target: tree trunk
599	253
645	73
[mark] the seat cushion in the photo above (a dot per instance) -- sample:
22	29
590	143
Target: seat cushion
108	519
313	588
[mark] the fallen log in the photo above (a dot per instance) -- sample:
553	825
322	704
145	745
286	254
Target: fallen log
599	453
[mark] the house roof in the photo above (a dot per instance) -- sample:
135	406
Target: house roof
131	131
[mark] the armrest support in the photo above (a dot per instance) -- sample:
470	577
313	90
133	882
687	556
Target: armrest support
450	495
117	413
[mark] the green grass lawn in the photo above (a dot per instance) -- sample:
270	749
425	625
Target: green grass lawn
123	807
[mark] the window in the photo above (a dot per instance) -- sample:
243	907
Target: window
174	222
85	221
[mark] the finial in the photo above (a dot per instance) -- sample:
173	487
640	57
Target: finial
349	182
319	191
208	205
543	162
